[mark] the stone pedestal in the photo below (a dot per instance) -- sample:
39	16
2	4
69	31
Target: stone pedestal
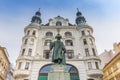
58	72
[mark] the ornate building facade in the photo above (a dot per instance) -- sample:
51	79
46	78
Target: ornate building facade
34	60
110	61
4	63
105	57
112	69
116	47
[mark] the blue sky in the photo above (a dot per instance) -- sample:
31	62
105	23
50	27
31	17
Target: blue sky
102	15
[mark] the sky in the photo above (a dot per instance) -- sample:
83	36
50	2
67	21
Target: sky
102	15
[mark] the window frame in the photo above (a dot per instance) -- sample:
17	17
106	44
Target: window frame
58	23
29	52
68	42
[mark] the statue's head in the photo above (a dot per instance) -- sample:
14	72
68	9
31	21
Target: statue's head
58	37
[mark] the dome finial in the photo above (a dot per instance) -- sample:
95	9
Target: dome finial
37	18
79	18
77	9
39	9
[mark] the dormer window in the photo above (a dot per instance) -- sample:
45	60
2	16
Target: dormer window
58	23
49	34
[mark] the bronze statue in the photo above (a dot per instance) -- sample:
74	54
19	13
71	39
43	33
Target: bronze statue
59	51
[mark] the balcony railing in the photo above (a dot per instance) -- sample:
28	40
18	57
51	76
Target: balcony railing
25	57
21	73
95	72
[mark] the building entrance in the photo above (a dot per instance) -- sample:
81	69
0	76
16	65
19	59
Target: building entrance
43	73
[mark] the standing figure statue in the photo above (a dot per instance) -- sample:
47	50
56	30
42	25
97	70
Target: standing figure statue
59	51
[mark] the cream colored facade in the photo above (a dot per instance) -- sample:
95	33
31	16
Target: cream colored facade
116	47
105	57
78	39
112	69
4	63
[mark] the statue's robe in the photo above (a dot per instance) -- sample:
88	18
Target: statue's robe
58	51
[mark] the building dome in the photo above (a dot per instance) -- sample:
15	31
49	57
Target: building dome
78	13
36	18
38	13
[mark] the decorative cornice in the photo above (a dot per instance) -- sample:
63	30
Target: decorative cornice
84	26
31	27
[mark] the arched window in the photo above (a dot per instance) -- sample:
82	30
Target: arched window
67	34
26	41
47	42
58	23
49	34
68	42
43	73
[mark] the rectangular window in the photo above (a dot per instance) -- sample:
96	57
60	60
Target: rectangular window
34	32
93	50
28	33
23	51
83	32
96	64
47	42
68	42
19	65
87	52
89	65
70	54
84	41
46	54
29	52
27	65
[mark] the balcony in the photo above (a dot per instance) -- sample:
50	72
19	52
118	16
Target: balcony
91	57
95	73
25	57
21	73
